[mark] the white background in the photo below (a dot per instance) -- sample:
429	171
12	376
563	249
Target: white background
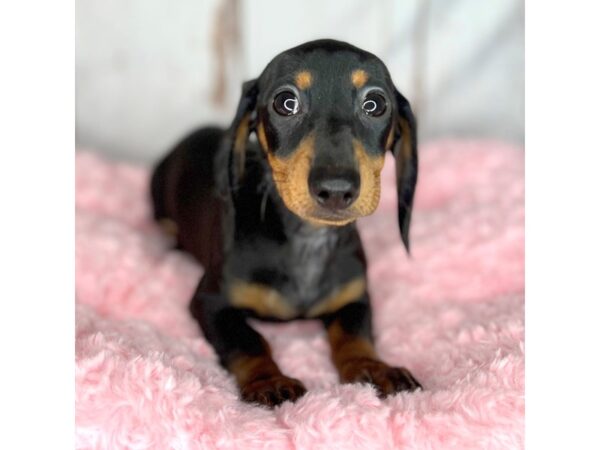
146	69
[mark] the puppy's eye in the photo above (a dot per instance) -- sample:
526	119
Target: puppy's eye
374	104
286	103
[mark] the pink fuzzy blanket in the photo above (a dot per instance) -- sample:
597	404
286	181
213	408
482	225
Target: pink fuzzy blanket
453	314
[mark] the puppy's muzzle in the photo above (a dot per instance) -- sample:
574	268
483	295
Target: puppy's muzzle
334	190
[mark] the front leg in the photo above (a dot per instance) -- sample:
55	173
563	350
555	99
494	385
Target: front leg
353	354
243	351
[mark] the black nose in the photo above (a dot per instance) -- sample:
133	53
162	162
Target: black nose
334	190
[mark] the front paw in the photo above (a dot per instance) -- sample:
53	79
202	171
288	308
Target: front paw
273	390
387	380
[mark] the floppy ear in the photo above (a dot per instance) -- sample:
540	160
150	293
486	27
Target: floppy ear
239	131
405	153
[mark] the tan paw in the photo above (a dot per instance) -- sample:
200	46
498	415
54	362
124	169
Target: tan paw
273	390
386	379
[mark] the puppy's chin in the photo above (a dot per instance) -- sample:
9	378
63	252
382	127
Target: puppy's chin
318	221
319	216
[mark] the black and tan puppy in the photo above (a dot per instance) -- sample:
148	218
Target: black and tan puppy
272	220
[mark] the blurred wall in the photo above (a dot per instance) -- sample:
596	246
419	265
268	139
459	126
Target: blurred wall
148	71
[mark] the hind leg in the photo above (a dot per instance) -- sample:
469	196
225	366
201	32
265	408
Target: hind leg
158	198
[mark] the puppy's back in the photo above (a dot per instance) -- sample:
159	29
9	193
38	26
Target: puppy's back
184	192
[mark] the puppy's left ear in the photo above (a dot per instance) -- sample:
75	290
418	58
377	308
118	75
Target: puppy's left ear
405	153
239	131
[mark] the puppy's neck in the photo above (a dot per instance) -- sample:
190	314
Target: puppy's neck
310	251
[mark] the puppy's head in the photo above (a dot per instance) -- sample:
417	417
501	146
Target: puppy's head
324	114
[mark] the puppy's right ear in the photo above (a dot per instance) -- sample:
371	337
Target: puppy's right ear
405	152
239	131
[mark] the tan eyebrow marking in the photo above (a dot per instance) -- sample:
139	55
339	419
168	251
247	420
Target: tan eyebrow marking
303	79
359	78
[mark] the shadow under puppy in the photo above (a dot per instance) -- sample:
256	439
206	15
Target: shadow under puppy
272	220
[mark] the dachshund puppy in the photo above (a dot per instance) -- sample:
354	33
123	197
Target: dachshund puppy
268	207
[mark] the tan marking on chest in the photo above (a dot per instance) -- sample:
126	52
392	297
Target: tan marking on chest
262	299
348	293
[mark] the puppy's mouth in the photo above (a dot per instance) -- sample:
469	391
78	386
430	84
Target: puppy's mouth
311	211
323	216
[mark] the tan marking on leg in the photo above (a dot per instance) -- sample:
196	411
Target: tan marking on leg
370	185
355	359
248	368
348	293
262	299
261	381
303	80
359	78
346	347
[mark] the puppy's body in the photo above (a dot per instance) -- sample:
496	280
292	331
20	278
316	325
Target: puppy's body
272	220
264	245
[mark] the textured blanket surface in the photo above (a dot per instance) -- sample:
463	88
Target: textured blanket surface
452	314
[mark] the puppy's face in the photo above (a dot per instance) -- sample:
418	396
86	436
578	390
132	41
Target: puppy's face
326	114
